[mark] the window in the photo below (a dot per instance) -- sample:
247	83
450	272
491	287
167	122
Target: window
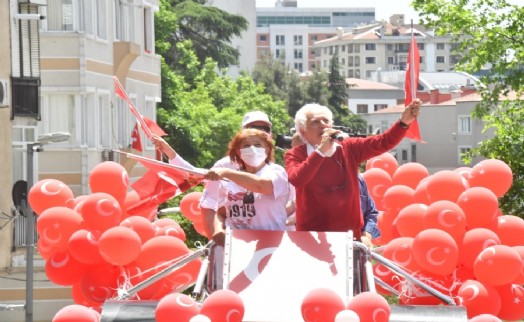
389	47
370	47
343	48
420	46
104	120
404	154
298	53
441	46
421	60
148	30
297	40
314	38
263	38
280	40
391	60
101	31
461	151
279	53
362	108
263	53
62	107
59	15
350	49
350	61
86	16
350	73
370	60
342	61
440	59
368	73
298	67
464	124
378	107
357	61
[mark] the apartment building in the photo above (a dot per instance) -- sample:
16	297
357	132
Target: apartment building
6	157
289	33
385	46
64	55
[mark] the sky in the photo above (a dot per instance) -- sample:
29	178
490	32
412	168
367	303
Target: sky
383	8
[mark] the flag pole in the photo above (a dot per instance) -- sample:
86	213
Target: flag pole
412	64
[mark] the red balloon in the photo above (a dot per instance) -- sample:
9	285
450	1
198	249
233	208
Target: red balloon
190	206
498	265
176	304
492	174
143	227
50	193
410	220
512	296
378	182
399	250
421	192
387	276
101	211
111	178
479	298
398	197
370	306
161	251
485	318
480	206
520	277
511	230
414	295
463	171
385	222
201	229
321	304
56	225
79	298
119	245
83	246
447	216
76	313
446	185
410	174
474	242
63	269
385	161
223	306
46	250
100	282
436	251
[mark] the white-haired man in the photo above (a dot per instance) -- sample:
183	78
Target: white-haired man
324	171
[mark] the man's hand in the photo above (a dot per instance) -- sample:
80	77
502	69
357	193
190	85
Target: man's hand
366	239
411	112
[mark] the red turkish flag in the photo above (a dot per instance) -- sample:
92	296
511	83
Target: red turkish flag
136	141
153	191
153	127
176	176
411	84
120	91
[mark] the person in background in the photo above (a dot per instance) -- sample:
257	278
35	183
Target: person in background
254	195
324	170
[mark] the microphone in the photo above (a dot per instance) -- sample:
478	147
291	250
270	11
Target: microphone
337	136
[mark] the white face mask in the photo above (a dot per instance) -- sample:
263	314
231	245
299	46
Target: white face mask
253	156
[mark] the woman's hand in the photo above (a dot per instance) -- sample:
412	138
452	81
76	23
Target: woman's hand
162	146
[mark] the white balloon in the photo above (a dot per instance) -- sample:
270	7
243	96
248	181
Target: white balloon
200	318
347	316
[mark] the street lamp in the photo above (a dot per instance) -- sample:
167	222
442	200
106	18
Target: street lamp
30	215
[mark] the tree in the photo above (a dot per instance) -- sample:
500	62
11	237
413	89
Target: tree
209	29
489	33
337	88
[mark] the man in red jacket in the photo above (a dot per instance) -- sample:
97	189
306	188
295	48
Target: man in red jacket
324	171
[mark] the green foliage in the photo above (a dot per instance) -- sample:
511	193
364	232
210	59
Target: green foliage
209	29
489	33
338	89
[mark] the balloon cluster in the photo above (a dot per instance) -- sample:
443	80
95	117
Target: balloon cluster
220	306
447	230
323	304
93	244
190	208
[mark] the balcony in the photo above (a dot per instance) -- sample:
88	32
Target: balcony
25	97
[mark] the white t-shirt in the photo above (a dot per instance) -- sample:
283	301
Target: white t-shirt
248	210
210	197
